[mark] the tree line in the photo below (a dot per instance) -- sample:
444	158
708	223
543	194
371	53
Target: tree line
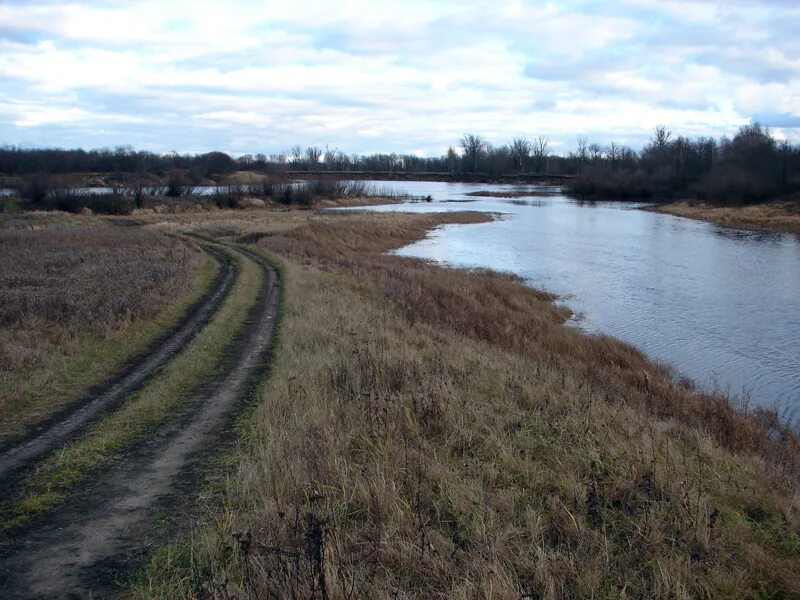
751	166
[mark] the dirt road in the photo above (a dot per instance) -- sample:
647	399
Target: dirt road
81	548
64	426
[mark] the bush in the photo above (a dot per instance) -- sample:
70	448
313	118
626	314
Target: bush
292	194
228	196
176	183
336	188
285	195
109	204
72	200
606	185
731	187
267	188
35	188
303	196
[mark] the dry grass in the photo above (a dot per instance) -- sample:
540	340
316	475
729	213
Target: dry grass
160	398
771	216
70	295
440	434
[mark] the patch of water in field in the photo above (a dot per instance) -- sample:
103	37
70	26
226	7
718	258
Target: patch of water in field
722	305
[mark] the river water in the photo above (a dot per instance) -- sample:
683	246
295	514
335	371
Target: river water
721	305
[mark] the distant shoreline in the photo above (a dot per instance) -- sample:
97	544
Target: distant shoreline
89	179
524	178
781	216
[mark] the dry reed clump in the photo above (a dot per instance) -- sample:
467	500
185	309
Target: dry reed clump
64	284
430	433
773	216
495	308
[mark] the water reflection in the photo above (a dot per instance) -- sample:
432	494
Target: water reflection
722	305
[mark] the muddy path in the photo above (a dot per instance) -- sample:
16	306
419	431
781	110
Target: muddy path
81	549
65	425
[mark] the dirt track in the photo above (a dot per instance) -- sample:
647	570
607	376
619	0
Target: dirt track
80	549
64	426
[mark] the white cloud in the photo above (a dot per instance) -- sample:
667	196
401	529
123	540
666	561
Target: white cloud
395	76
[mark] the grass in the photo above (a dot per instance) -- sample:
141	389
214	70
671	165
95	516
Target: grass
9	204
159	399
77	300
428	432
772	216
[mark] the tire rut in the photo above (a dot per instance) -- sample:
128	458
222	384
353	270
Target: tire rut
54	432
78	551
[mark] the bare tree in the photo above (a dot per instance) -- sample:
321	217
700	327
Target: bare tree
452	159
296	152
137	189
335	159
520	151
628	157
595	151
785	148
540	150
473	146
661	137
612	153
583	144
313	156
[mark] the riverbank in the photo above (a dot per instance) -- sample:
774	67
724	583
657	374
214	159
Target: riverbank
428	431
523	178
780	216
514	193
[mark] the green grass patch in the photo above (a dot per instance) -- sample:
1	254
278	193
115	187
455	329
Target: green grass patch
9	204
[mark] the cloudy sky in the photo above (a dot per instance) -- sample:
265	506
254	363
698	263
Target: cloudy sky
405	76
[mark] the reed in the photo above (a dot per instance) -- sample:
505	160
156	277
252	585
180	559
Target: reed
429	432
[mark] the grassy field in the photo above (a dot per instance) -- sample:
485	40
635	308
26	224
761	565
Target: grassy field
162	397
78	297
770	216
437	433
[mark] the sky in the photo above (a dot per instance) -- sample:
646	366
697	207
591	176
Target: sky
383	76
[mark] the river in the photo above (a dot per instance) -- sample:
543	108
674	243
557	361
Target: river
720	305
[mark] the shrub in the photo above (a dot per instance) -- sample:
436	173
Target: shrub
303	196
228	196
732	187
36	188
176	183
73	200
110	204
267	188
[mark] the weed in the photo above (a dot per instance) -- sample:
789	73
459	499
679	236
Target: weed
450	437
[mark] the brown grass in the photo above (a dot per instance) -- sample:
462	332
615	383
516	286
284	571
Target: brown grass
771	216
69	295
160	398
436	433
